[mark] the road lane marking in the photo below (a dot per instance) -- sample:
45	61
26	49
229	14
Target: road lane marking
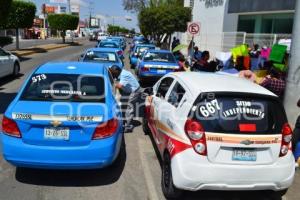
147	173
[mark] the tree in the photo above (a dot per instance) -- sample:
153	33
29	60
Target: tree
116	29
63	22
21	15
139	5
168	19
135	5
4	10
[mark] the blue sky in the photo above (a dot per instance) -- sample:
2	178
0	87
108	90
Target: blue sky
104	8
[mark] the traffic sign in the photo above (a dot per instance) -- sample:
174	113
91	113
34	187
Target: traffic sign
194	28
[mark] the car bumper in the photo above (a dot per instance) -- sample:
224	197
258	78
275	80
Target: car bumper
194	172
98	154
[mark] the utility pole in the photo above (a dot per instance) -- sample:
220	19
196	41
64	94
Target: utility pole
69	6
292	92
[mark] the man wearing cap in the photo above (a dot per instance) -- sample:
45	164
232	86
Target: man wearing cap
130	90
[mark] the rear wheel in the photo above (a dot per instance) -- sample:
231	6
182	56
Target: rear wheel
16	69
281	193
146	128
168	188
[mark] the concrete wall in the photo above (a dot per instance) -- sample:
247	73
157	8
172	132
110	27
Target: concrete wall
211	20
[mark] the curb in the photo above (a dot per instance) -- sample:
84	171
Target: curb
42	48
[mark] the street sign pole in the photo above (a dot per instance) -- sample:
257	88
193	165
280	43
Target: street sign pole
293	80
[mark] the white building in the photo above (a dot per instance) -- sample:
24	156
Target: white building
226	23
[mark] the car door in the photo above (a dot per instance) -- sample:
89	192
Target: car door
173	117
4	63
159	102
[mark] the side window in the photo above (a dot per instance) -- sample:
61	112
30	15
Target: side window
111	79
2	53
164	87
176	94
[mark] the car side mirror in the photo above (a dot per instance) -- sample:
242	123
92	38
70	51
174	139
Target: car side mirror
148	91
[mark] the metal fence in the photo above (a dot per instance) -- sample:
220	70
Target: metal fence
225	41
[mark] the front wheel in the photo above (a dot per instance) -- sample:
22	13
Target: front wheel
168	188
16	69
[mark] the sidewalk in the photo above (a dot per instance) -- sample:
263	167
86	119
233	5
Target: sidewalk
42	48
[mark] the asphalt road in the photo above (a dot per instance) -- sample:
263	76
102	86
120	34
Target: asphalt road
35	42
137	178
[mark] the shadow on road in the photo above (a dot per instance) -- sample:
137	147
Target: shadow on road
73	178
5	99
8	79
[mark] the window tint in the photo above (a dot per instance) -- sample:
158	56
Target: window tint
64	87
159	57
101	56
239	114
176	94
164	87
108	45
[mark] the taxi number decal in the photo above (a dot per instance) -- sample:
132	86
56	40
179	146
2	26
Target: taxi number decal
38	78
22	116
210	108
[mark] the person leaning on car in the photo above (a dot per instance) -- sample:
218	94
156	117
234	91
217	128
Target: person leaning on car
130	90
296	135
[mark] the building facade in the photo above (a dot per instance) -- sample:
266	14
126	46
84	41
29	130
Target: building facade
225	23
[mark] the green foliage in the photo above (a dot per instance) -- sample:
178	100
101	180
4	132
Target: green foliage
117	29
5	41
164	19
63	22
21	15
4	10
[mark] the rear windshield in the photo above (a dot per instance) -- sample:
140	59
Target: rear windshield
108	45
237	114
141	49
64	87
101	56
159	57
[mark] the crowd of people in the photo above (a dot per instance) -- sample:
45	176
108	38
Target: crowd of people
255	66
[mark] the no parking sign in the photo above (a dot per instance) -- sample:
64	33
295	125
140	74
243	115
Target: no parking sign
194	28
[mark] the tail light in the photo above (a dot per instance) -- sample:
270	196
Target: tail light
120	53
145	69
286	139
10	127
195	132
106	129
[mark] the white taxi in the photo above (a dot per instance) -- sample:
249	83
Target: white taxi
218	132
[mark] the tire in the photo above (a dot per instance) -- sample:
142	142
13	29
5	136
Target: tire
168	188
281	192
120	158
146	128
16	69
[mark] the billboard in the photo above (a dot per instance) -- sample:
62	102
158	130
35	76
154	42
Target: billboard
49	8
75	8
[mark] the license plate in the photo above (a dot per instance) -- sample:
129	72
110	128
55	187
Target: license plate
161	71
57	133
244	155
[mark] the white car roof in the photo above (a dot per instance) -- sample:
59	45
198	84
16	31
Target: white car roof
199	82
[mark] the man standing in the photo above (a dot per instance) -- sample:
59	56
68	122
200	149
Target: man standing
197	54
130	90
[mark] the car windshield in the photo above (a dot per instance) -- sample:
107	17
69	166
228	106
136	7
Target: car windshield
64	87
101	56
239	114
141	49
108	45
159	57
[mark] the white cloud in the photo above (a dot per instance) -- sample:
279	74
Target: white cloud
84	3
